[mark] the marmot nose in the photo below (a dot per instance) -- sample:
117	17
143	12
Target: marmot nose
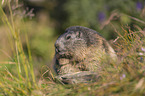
58	48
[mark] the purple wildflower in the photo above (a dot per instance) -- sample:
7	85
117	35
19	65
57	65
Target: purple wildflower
139	6
143	49
101	16
123	76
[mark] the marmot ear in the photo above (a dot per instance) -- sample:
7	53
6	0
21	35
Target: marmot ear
79	34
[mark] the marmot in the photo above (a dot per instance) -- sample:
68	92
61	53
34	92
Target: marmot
81	49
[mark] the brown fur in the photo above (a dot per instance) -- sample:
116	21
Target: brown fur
84	50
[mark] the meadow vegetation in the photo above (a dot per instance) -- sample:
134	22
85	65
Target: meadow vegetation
25	47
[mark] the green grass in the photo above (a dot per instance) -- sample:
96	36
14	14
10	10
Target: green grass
124	78
24	81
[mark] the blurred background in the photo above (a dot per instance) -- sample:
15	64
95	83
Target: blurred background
45	20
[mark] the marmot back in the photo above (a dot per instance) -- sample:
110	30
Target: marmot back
81	49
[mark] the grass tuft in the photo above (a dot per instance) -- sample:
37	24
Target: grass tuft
24	81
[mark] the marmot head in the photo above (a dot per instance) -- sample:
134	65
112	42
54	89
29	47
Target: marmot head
75	39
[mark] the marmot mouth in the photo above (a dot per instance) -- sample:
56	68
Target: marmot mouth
63	55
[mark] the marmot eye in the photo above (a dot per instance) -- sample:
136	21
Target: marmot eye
68	37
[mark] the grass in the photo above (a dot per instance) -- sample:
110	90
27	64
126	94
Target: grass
126	78
25	78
